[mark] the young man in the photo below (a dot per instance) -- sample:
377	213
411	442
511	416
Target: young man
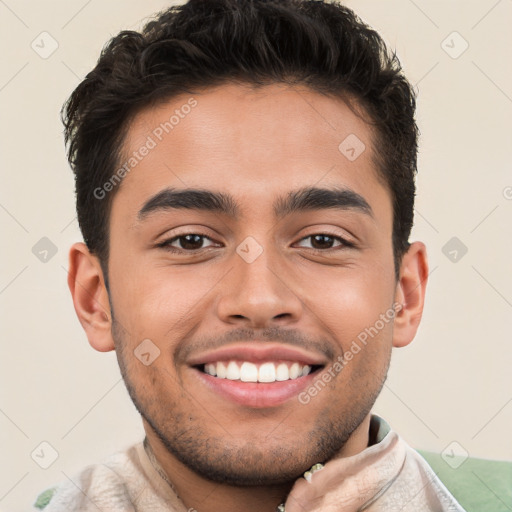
245	188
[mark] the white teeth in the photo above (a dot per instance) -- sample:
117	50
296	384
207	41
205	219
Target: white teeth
295	371
233	372
221	370
267	373
250	372
282	372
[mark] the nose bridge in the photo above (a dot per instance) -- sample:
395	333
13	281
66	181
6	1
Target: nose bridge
261	275
255	293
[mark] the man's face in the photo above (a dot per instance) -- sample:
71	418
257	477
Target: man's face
261	285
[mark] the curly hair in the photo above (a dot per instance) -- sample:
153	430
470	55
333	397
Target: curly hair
204	43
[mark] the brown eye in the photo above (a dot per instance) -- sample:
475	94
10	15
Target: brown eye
188	242
191	242
324	241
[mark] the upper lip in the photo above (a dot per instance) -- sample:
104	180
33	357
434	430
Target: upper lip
258	352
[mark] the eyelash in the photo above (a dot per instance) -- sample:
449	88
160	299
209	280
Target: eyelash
166	244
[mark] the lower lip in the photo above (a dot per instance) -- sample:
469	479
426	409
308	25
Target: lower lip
256	394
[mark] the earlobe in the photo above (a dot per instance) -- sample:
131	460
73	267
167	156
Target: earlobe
90	297
410	294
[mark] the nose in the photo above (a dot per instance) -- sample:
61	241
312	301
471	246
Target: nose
257	295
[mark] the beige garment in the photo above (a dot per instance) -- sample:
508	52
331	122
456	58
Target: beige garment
387	476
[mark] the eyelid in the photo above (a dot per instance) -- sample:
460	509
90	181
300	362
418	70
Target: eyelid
186	229
343	241
341	234
336	229
166	243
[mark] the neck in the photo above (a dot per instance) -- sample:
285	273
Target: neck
200	494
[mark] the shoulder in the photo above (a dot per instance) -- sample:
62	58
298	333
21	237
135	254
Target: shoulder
416	486
427	487
107	486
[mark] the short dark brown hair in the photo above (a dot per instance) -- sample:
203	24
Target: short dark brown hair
205	43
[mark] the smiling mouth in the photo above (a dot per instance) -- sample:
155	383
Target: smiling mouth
266	372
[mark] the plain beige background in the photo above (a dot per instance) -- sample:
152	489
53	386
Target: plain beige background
453	384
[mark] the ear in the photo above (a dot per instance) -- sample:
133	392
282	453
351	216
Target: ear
410	294
90	297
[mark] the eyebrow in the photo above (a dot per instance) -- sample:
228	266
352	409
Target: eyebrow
190	199
313	198
304	199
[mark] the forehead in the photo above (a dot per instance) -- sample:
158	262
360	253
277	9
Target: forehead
253	143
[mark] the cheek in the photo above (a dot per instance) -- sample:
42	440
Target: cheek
160	304
348	304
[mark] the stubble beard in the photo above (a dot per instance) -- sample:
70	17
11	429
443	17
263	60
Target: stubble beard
260	461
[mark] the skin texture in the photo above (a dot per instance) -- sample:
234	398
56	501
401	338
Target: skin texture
256	146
